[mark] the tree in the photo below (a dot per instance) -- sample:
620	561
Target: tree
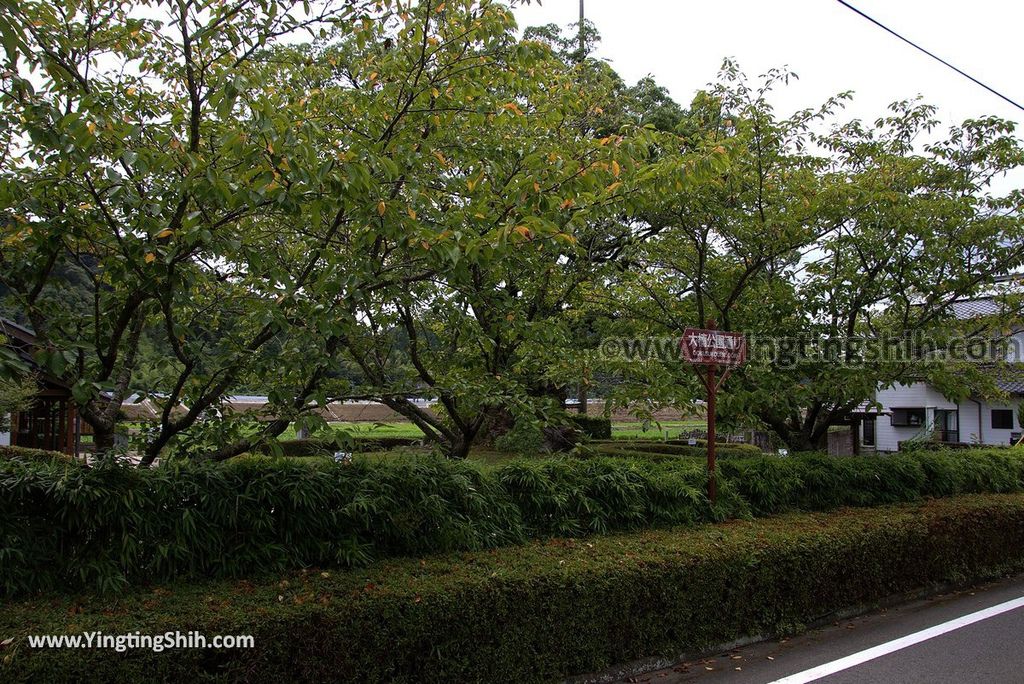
859	231
498	180
138	154
18	387
725	247
916	231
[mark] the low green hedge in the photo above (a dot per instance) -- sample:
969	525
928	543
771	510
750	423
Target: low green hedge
326	447
646	449
810	482
541	612
929	445
748	449
112	525
18	453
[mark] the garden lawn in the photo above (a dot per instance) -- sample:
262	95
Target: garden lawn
655	430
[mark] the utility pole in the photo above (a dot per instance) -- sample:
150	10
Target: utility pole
583	46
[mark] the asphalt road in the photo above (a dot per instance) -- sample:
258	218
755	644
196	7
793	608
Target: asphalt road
969	636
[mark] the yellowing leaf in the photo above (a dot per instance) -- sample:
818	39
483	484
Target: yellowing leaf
523	230
536	186
615	168
719	150
150	257
440	157
373	76
440	8
91	126
412	213
611	188
381	208
513	107
167	232
435	92
567	203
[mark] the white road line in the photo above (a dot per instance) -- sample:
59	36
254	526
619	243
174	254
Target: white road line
864	656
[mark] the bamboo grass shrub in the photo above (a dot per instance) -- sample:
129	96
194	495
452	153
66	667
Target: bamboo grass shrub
64	526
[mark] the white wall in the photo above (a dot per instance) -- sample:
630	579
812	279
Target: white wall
991	435
1015	347
920	395
914	395
5	438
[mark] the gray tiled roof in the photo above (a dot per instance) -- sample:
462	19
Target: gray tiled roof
972	308
1011	379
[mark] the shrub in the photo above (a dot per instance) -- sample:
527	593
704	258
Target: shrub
645	449
931	445
326	447
748	449
593	427
525	437
111	525
26	454
542	612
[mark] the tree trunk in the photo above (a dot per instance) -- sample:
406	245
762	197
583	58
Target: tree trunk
103	438
459	449
581	397
797	436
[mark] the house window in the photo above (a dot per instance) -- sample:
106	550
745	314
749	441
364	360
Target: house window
907	417
869	431
1002	419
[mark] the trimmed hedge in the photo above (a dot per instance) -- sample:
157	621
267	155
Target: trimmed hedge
922	445
748	449
593	427
112	525
18	453
647	449
771	485
536	613
326	447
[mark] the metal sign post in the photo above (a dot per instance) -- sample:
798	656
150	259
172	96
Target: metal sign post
711	348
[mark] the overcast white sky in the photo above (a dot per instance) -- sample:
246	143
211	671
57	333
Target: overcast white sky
682	43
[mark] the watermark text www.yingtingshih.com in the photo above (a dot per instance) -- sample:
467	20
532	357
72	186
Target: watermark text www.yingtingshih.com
801	350
157	643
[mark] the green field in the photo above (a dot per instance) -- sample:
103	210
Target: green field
654	430
406	429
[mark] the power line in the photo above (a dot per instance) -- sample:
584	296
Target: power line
930	54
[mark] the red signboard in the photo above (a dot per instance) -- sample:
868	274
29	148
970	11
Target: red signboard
707	347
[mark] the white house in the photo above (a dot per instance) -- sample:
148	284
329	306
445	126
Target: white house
917	410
